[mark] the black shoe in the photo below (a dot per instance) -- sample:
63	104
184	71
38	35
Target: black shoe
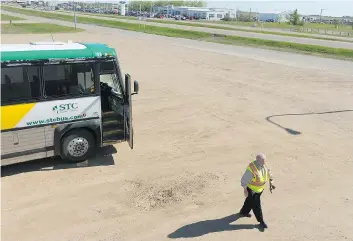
248	215
263	225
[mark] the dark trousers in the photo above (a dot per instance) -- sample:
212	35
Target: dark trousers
253	202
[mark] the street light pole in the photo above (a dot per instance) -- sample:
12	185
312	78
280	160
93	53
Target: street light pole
321	14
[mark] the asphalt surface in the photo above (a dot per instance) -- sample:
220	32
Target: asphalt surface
269	56
17	21
327	43
257	28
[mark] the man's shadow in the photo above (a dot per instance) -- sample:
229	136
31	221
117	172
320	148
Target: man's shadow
211	226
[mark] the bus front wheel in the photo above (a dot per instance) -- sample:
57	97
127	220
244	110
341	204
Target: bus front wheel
77	145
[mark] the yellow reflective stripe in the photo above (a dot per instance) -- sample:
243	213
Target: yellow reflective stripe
257	189
254	167
12	114
258	184
257	171
254	171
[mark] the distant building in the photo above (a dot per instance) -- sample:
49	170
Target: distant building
310	18
122	8
262	17
199	12
273	17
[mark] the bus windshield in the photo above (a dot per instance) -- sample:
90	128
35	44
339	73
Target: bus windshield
108	75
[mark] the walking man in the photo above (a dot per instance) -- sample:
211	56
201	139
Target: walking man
253	182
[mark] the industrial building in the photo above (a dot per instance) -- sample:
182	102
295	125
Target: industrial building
272	17
197	12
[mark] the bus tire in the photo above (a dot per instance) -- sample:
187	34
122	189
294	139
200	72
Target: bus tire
77	146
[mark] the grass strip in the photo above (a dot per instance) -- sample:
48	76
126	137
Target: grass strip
203	36
5	17
283	25
26	28
250	31
204	25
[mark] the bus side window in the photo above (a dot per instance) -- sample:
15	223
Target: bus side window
85	77
15	85
34	80
55	79
68	79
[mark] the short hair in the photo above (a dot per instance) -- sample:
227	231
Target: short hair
260	155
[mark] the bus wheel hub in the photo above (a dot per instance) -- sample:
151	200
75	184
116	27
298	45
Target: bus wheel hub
78	147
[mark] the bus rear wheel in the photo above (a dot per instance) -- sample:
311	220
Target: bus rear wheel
77	146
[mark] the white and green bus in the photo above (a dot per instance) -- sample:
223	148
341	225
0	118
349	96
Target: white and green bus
62	99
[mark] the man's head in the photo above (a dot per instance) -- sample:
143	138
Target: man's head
261	158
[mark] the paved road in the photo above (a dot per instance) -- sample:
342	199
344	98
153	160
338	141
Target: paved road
278	30
17	21
328	43
333	44
269	56
235	27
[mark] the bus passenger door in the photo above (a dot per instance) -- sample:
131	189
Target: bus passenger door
129	132
112	104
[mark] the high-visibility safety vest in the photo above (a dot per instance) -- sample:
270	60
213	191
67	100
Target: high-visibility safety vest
257	183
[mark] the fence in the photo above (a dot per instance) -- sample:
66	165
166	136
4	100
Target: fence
321	31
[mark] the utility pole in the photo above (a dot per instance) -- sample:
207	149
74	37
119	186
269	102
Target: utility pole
75	14
250	15
151	8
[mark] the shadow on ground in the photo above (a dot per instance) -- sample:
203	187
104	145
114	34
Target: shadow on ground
104	157
294	132
211	226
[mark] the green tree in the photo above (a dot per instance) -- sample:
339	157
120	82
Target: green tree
294	18
196	3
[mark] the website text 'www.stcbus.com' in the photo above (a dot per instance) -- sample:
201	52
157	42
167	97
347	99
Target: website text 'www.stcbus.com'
55	120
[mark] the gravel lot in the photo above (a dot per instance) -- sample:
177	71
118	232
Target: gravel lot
203	112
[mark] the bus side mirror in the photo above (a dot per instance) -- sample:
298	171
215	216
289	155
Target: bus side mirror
136	87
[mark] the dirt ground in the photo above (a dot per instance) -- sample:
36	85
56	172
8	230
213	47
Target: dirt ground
200	118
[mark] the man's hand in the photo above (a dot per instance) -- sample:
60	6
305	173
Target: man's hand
246	193
272	187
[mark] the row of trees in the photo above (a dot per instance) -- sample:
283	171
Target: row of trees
146	5
294	19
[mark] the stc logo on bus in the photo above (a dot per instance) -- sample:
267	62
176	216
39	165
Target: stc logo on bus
62	108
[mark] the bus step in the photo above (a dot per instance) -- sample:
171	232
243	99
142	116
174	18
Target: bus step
113	133
110	115
112	141
112	123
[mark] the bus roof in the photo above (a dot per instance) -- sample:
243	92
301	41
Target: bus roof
53	50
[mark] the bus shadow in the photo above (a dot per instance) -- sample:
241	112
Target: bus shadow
104	157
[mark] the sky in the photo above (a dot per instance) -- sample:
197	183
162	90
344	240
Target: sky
330	8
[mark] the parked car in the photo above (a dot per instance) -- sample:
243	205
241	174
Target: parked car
159	16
